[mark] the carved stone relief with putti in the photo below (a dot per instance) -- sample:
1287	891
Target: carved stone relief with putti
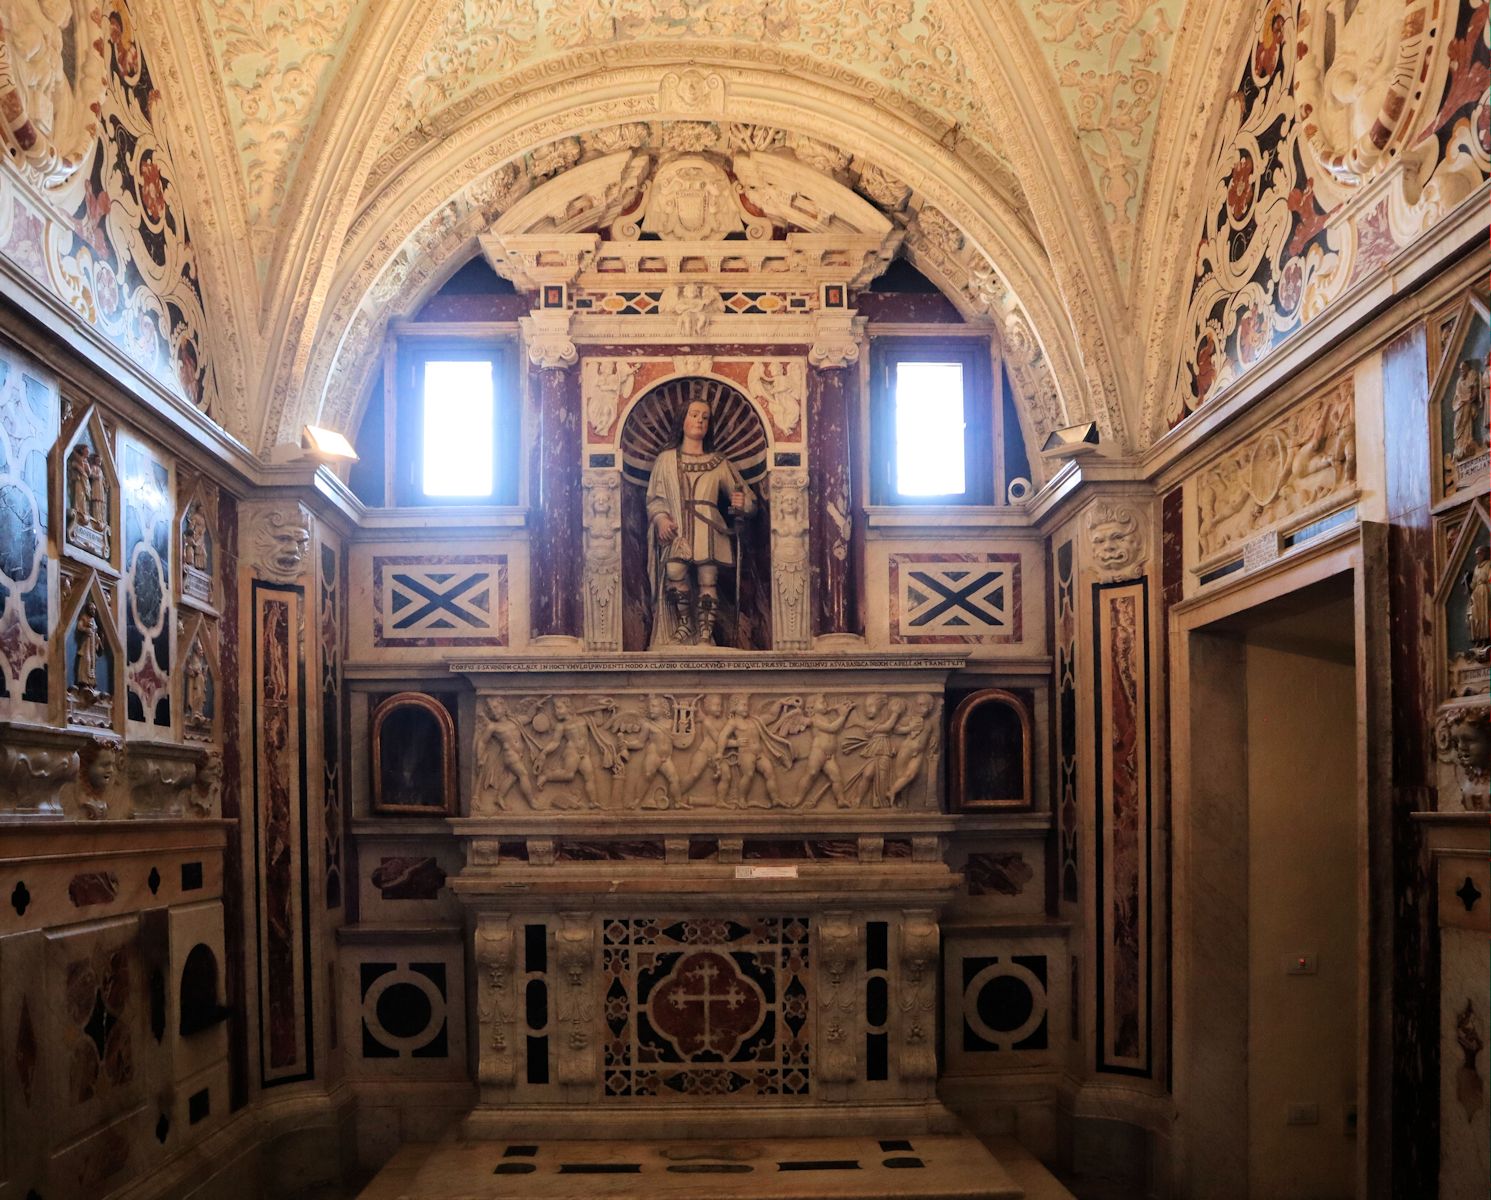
800	751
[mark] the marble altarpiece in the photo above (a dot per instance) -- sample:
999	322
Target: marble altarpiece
700	860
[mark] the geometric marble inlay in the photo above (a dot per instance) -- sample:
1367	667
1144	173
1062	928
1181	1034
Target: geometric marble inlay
954	598
440	600
706	1007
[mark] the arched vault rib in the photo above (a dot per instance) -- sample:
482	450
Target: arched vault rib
488	139
1210	47
206	159
1001	55
341	150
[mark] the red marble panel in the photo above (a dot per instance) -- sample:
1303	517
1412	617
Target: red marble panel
408	878
907	307
555	548
235	974
92	887
997	873
1415	965
1123	825
832	541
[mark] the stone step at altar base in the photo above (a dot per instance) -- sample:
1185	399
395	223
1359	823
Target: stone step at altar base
932	1167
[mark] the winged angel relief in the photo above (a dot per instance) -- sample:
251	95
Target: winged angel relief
665	752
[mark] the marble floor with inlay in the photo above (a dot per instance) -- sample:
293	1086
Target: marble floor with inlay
916	1168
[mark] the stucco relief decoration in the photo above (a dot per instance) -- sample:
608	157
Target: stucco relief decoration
691	200
488	48
779	388
692	91
1332	92
1300	468
606	383
282	542
1360	79
53	73
275	59
1110	60
1117	542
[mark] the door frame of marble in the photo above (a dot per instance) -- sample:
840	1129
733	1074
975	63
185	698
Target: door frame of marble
1210	1028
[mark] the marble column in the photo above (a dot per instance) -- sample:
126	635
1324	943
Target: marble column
833	451
556	548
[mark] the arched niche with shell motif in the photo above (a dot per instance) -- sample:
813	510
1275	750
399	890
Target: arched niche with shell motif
652	427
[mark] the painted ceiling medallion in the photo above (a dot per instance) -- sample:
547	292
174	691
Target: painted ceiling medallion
1362	79
53	72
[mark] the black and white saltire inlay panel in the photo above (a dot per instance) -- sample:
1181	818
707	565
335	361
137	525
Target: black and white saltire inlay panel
955	597
440	601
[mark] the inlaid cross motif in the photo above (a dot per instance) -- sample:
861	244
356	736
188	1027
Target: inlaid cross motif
705	1007
706	999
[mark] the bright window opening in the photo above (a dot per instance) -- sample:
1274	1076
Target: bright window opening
459	412
930	426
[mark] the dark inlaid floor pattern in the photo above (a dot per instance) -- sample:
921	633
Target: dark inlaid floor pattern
783	1169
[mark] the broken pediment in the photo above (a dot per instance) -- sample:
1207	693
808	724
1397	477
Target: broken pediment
636	219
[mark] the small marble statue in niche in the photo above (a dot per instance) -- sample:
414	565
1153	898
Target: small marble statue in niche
88	501
197	700
1467	405
196	554
1478	608
696	503
89	642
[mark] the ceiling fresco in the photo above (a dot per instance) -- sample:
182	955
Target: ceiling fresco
1061	159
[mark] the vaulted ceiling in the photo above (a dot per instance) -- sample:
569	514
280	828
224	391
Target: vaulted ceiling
341	155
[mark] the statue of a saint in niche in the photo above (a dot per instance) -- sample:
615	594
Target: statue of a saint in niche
696	500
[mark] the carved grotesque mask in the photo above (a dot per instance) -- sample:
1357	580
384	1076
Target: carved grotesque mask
1115	541
284	540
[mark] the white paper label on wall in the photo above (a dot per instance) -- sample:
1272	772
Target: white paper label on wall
1261	550
750	871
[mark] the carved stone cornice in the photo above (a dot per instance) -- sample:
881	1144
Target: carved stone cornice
36	762
1207	50
532	260
715	662
160	776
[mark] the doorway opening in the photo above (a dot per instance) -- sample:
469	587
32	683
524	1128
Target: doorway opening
1276	812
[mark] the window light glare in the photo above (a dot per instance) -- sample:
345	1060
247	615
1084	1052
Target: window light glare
930	429
326	443
459	410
